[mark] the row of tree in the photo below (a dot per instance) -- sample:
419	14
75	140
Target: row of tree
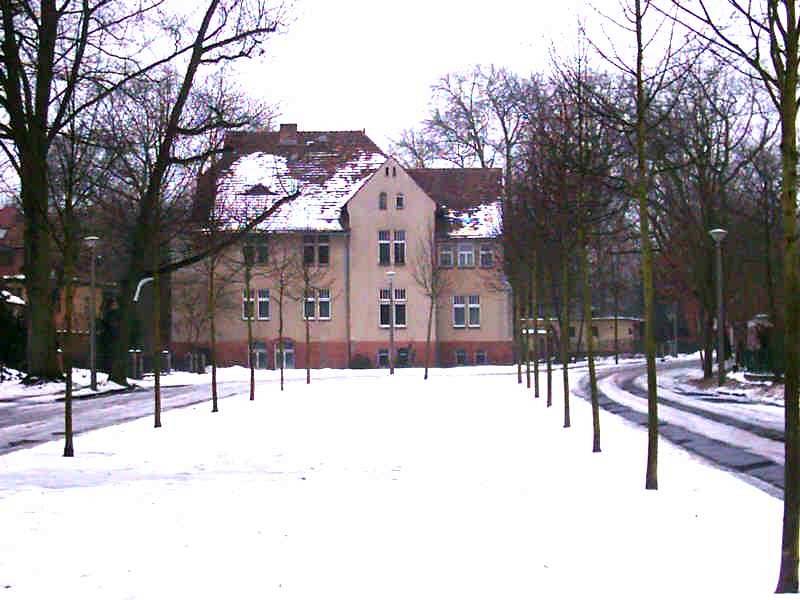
629	161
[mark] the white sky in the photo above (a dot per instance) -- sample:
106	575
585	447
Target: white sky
355	64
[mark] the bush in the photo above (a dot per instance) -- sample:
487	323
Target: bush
359	361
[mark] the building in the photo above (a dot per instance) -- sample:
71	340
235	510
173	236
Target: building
628	338
346	257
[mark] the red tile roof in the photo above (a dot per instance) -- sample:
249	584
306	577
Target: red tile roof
460	189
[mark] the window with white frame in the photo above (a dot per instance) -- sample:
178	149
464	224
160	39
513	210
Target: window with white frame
487	256
459	311
466	255
399	247
400	202
383	201
446	256
263	304
474	311
384	247
247	304
317	304
385	307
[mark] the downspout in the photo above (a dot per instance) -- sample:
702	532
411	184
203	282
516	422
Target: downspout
347	294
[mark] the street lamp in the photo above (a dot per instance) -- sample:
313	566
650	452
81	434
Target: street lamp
390	275
718	235
91	241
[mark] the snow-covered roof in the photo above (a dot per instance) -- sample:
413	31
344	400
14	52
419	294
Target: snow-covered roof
482	221
327	168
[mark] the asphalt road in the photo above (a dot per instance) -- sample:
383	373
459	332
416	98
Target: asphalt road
733	443
24	424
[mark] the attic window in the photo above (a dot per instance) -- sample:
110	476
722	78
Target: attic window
387	171
394	171
259	189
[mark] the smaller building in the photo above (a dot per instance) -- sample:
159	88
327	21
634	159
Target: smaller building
628	337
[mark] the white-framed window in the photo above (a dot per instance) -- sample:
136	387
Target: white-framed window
474	311
384	308
481	357
384	247
446	256
324	304
317	304
461	357
247	305
399	247
400	201
459	311
383	201
399	307
486	256
466	255
263	304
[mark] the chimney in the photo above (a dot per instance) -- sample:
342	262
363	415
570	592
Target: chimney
288	134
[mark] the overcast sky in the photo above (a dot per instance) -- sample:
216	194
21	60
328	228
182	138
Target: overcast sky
358	64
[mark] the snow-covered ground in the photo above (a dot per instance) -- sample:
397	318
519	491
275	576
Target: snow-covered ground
11	388
363	485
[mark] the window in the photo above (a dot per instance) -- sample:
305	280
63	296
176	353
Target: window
446	256
459	311
466	255
461	358
595	333
630	331
263	304
399	247
572	332
466	311
474	311
387	171
316	249
3	233
262	255
383	357
487	257
6	257
399	202
317	304
324	303
394	171
384	247
382	201
403	357
480	357
323	249
308	250
247	304
399	307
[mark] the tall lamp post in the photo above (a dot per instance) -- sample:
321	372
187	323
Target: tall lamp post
91	241
390	275
718	235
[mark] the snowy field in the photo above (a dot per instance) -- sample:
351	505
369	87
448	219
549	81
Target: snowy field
371	486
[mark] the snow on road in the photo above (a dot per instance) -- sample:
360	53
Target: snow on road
370	486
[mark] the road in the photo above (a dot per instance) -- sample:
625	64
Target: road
730	431
23	424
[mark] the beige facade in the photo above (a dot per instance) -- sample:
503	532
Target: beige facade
387	228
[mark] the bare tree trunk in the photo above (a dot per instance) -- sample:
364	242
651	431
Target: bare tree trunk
535	304
651	477
157	337
548	353
428	336
281	348
518	336
565	332
790	544
616	313
587	317
66	353
212	351
527	338
252	309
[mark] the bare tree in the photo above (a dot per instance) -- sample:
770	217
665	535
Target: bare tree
433	280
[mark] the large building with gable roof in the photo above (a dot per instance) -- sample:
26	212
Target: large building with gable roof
356	245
